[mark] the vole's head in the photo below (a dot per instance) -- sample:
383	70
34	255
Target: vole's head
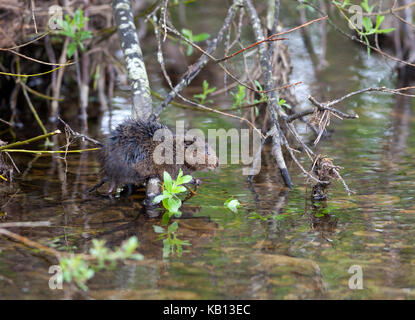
199	155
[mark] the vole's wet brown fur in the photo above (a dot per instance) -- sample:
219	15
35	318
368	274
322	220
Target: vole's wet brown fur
127	156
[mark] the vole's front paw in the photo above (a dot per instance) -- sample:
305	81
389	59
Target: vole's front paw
196	182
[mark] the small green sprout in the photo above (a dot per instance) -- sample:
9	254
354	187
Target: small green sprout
73	28
188	34
232	204
239	97
75	268
171	244
172	203
202	97
169	198
276	217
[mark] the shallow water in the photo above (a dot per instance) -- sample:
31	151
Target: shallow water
306	254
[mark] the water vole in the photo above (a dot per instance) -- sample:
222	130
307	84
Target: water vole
133	154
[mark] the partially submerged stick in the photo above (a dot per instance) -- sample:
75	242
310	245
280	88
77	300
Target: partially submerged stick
19	143
272	105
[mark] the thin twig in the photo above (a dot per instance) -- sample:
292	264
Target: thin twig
79	135
19	143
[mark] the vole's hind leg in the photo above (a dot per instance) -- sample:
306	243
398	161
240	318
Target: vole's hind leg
97	186
196	182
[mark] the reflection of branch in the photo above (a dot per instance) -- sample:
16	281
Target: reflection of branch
35	114
30	243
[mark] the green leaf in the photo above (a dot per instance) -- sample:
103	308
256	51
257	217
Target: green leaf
137	256
232	204
187	33
159	198
367	23
379	20
189	50
179	189
81	46
385	30
71	49
167	181
78	17
201	37
179	176
186	179
365	5
68	33
255	215
278	217
173	227
158	229
83	35
165	218
258	85
174	204
166	248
